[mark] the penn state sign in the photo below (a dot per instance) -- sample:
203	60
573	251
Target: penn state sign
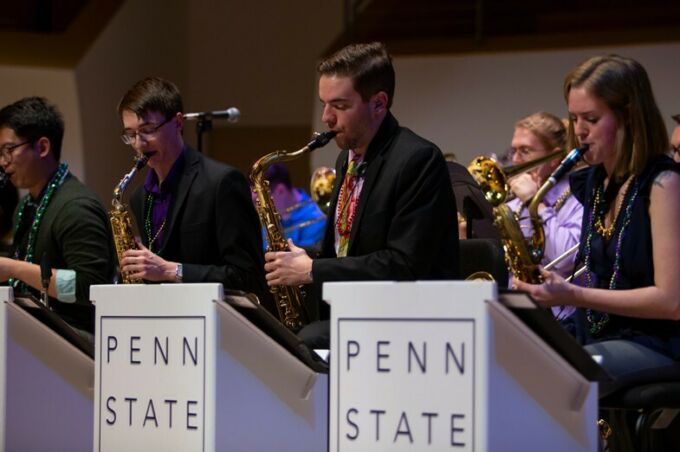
405	383
154	367
163	359
447	366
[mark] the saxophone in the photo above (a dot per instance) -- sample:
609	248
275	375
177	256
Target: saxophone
521	257
121	223
288	299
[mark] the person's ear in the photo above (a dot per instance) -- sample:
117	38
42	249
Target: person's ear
44	146
379	102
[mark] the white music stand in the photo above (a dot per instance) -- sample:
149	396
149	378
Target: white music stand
47	383
230	385
445	366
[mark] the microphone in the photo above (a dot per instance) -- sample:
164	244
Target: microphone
230	114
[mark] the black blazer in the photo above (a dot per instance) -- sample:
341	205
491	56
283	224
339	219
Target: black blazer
212	226
405	226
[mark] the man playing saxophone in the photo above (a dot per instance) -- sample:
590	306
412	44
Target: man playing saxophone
536	136
393	213
196	215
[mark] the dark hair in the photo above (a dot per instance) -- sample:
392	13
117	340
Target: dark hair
278	174
33	118
623	85
547	127
152	94
368	65
676	118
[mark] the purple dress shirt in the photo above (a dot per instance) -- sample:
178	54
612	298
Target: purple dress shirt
161	199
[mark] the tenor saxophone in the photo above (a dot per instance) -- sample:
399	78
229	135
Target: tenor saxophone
121	222
289	300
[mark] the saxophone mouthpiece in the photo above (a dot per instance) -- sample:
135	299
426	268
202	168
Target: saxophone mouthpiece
321	139
140	161
568	163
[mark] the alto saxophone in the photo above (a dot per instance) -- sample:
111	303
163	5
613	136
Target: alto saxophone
121	223
289	300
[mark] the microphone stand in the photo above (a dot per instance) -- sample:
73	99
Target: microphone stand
202	125
45	277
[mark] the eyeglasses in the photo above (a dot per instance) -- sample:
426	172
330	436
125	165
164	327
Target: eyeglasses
522	152
7	150
145	132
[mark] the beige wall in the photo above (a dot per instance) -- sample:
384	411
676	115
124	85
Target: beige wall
145	37
260	57
59	87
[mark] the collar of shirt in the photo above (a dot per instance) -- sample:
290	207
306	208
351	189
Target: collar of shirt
151	182
353	155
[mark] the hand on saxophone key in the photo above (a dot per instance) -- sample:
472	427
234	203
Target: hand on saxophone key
288	268
142	263
554	291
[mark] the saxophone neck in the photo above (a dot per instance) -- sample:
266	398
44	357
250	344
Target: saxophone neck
140	161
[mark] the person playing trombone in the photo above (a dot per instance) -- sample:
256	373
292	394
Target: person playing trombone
537	136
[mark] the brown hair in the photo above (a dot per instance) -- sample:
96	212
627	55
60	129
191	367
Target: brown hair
368	65
152	94
547	127
623	85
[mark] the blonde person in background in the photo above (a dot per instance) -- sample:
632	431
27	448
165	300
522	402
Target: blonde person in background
536	136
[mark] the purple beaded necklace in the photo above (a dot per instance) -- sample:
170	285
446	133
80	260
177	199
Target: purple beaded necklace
597	320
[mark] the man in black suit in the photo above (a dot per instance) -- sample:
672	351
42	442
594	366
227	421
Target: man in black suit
393	213
197	220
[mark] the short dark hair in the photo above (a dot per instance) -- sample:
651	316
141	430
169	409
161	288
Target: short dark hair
368	65
32	118
676	118
152	94
278	174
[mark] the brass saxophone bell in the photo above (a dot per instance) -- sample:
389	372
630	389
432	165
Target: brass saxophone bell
321	187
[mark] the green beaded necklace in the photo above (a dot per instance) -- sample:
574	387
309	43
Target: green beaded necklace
52	187
148	224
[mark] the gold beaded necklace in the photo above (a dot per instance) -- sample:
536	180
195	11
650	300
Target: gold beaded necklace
608	232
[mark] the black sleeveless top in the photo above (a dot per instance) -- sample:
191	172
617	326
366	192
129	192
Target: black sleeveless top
636	264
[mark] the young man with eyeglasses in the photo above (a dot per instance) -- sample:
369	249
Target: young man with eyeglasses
197	220
59	219
675	139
